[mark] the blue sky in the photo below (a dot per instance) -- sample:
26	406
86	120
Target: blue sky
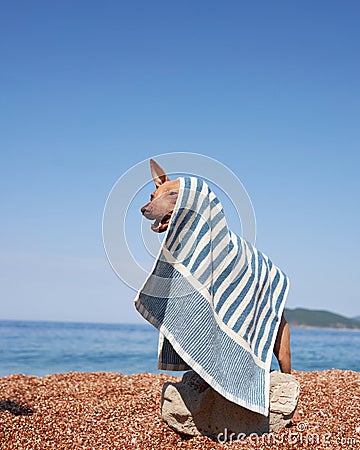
88	89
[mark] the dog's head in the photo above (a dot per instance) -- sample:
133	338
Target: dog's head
162	200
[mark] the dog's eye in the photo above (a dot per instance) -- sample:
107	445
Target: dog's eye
173	193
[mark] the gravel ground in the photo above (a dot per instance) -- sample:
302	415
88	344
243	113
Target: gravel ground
114	411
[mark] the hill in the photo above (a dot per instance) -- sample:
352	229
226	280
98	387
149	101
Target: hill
300	317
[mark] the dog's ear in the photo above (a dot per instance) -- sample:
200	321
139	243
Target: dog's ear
158	173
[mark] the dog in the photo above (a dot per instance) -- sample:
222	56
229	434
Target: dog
160	208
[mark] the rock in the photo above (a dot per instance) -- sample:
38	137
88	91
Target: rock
193	413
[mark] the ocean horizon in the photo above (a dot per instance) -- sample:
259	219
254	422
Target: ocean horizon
42	347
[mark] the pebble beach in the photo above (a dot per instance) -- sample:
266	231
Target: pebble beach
106	410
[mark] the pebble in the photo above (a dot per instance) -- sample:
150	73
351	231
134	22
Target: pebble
111	411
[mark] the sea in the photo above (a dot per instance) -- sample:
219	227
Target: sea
42	348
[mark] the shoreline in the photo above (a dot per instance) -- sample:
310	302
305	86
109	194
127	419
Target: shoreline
145	374
106	410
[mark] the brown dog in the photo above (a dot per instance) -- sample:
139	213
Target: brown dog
160	208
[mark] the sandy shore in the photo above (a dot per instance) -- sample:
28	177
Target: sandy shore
114	411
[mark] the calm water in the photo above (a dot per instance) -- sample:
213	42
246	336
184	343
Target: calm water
41	348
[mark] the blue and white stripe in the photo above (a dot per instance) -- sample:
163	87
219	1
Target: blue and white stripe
216	300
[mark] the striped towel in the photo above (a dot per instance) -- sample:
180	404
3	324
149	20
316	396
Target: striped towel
216	300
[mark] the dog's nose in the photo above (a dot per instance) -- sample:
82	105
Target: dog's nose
144	209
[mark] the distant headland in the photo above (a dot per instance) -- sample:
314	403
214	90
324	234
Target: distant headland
308	318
